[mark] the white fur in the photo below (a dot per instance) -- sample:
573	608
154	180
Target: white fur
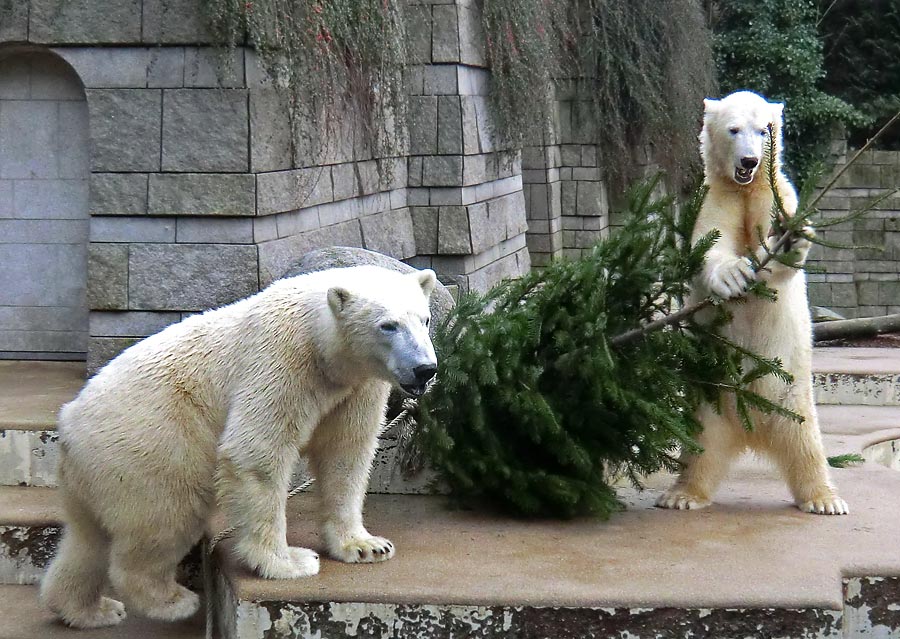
216	409
782	329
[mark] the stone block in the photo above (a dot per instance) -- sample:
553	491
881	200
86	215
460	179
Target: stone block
85	22
205	130
571	154
129	323
445	34
102	350
120	118
440	79
265	228
471	143
174	21
425	229
48	199
453	231
202	194
204	230
165	68
132	229
485	230
107	279
13	21
190	277
276	256
205	67
414	172
118	194
418	26
108	67
31	160
390	233
291	190
423	125
591	199
471	37
449	130
270	131
73	144
484	123
443	170
345	181
472	81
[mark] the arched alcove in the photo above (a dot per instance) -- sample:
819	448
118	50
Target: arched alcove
44	172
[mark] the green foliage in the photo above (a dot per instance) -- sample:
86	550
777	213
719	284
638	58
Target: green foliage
772	47
340	65
537	411
635	71
842	461
862	46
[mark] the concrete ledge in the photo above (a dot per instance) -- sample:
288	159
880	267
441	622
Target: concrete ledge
31	393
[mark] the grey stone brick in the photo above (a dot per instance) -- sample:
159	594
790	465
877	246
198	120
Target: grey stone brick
107	281
270	131
174	21
31	159
108	67
449	134
471	144
118	193
165	68
571	154
443	170
569	193
265	228
125	131
205	67
85	21
471	37
102	350
200	230
440	79
390	233
276	256
419	29
453	231
591	198
485	230
190	277
205	130
445	34
132	229
423	125
346	183
129	323
425	229
202	194
291	190
13	21
485	124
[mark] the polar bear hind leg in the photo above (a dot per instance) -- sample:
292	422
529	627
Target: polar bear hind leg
702	473
76	577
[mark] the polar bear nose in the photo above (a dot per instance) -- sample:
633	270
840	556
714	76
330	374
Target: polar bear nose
749	162
424	373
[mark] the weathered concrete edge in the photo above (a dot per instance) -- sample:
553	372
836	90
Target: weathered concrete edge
25	552
856	389
28	457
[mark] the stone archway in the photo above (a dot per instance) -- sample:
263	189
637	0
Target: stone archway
44	173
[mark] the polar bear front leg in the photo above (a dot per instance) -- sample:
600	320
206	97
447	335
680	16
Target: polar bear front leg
341	453
252	480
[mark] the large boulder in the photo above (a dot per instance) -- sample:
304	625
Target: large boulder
344	256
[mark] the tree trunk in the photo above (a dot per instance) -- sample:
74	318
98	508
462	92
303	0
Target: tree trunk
862	327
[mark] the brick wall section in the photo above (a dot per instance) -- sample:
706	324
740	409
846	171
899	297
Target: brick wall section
863	282
197	196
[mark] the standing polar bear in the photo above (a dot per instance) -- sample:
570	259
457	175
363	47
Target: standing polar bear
739	204
215	410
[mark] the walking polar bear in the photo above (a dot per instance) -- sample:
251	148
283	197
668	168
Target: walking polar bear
216	409
739	203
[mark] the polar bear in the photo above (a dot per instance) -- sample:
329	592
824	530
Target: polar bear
216	410
739	205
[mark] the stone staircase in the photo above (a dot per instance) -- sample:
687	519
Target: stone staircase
749	566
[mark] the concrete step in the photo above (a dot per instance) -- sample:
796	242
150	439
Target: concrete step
29	532
22	617
857	376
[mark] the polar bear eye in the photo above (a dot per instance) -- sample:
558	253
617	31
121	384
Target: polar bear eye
427	322
733	130
389	327
764	132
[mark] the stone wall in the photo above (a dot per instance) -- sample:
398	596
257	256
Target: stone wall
866	281
198	196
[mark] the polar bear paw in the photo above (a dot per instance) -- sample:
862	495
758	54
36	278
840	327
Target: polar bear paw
829	504
680	499
108	612
182	604
366	550
731	278
298	563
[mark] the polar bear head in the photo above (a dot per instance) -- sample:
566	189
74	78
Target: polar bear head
382	318
733	139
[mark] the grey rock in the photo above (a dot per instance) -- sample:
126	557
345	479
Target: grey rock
276	256
823	314
190	277
107	276
205	130
118	194
202	194
125	131
85	21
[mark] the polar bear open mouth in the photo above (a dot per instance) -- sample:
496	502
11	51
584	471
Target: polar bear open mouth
743	176
414	390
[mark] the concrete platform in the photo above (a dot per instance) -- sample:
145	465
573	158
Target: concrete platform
32	392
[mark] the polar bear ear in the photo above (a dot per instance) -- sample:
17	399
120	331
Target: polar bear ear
710	105
777	110
427	280
338	298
